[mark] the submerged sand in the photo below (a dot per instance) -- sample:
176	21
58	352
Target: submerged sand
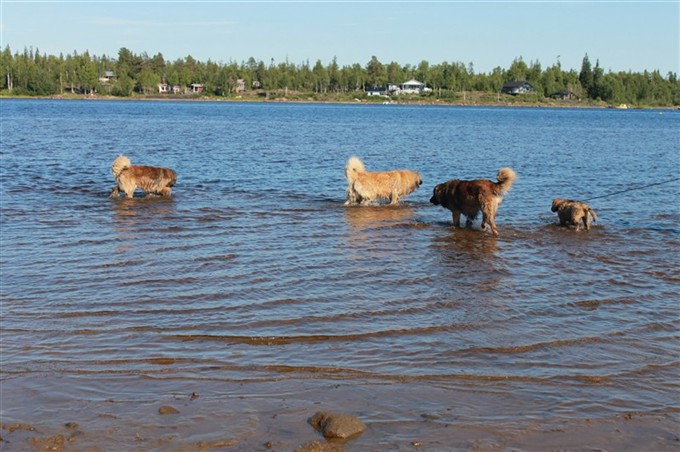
276	416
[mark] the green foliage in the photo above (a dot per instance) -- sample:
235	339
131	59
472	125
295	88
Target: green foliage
148	81
123	86
33	73
586	74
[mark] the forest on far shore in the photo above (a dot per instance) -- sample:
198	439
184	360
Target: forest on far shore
31	73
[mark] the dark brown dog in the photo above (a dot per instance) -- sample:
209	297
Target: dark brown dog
151	179
573	212
468	197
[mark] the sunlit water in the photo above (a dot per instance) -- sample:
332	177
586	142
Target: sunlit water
255	281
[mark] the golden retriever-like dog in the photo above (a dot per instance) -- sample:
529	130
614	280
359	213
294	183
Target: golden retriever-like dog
573	212
151	179
468	197
366	187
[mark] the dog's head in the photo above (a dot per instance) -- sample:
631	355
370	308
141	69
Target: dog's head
436	194
442	192
557	204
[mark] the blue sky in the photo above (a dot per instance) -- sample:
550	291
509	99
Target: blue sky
623	36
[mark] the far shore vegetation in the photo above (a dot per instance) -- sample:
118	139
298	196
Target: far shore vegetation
132	76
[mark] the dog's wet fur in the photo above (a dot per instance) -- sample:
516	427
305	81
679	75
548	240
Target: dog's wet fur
369	187
574	213
151	179
469	197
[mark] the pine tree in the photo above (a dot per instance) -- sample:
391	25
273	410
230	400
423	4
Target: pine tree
586	75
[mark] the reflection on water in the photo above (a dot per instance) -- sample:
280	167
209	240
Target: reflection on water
464	244
370	217
133	213
367	223
133	217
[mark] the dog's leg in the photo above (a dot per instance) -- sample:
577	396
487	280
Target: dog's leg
166	191
455	218
488	214
492	224
394	198
114	192
351	197
468	223
563	218
586	221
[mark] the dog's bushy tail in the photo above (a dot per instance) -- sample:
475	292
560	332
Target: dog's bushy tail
119	165
353	168
592	214
506	177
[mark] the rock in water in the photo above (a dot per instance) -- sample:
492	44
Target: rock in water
334	425
167	409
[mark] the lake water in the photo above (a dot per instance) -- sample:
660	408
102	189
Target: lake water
254	289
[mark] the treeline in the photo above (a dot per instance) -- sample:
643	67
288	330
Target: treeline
34	74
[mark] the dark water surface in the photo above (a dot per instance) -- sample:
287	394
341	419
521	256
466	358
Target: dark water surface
254	286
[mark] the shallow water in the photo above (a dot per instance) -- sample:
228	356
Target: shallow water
255	287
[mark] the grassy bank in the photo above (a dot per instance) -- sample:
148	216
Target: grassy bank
467	98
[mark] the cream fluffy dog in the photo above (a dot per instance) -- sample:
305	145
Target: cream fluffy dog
468	197
150	179
573	212
365	187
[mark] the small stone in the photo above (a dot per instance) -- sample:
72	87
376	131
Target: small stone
318	446
167	409
333	425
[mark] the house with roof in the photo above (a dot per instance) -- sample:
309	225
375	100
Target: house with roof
240	85
376	91
413	86
564	95
165	88
517	87
108	77
387	89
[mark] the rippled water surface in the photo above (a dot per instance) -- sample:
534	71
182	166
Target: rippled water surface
255	287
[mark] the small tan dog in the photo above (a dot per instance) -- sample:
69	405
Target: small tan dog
150	179
573	212
365	187
468	197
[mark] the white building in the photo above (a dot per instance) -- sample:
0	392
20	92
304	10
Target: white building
413	87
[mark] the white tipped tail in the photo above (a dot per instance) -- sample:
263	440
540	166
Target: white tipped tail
506	177
119	165
353	168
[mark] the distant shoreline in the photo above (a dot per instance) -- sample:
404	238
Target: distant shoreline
402	101
516	103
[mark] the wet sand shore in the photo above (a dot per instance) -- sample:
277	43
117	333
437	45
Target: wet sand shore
275	416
